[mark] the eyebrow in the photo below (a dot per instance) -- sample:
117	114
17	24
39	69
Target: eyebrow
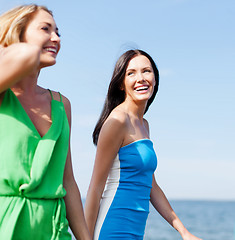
133	69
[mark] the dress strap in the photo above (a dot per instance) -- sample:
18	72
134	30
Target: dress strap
60	97
51	94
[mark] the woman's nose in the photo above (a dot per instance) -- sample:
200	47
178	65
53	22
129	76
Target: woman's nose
140	77
55	37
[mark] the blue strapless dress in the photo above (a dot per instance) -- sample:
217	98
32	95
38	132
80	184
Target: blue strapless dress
124	206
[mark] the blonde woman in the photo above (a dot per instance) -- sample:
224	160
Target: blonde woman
36	181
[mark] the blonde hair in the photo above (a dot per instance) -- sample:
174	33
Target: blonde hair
14	22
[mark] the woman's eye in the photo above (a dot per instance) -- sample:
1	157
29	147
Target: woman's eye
129	73
147	70
45	28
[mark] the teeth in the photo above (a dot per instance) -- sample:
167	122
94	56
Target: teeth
50	50
142	88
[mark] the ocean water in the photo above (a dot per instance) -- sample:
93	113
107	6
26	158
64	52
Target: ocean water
209	220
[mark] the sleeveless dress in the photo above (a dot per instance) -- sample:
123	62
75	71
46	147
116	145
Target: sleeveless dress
124	205
31	178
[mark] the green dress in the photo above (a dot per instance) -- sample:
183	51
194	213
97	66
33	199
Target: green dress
31	174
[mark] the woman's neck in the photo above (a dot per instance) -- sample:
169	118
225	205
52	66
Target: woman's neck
135	109
27	85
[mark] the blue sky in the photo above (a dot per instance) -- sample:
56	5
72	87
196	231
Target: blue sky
192	118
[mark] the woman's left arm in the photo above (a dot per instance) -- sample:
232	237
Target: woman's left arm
162	205
74	208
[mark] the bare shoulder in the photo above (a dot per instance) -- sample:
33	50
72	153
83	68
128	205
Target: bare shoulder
57	96
114	128
66	103
119	115
116	120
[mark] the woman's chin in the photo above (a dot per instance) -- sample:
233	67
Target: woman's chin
47	64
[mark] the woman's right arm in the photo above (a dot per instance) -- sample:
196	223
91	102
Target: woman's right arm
110	140
16	62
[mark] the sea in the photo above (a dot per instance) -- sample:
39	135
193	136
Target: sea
208	220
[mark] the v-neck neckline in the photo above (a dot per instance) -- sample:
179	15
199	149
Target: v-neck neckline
33	127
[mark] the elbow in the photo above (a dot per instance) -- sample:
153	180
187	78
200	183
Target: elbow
22	56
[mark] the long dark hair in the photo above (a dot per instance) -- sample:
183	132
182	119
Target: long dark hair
116	95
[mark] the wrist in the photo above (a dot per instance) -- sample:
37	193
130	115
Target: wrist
183	232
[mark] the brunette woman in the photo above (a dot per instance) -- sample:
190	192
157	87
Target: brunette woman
123	181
